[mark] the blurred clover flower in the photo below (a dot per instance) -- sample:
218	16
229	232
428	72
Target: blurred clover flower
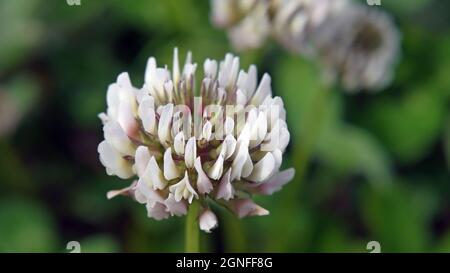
223	146
357	45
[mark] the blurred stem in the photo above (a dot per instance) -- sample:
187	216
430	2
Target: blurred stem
192	240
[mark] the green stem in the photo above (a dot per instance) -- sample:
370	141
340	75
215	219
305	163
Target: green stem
192	240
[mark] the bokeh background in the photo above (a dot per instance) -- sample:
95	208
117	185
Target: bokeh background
378	164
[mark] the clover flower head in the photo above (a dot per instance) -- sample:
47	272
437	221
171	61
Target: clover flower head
359	47
220	140
295	21
247	21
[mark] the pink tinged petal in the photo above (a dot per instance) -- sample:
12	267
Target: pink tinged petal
263	90
263	169
183	190
157	211
275	183
141	159
179	143
190	152
170	168
117	138
127	120
174	207
204	185
246	207
164	124
207	220
153	175
147	114
125	191
145	193
225	190
113	161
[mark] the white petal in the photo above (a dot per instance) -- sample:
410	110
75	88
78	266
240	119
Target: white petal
241	97
174	207
141	159
117	138
238	162
207	220
144	193
263	169
126	119
153	175
179	143
190	152
164	124
215	172
157	211
113	161
207	131
259	130
229	126
183	189
125	191
248	167
176	67
147	114
170	168
228	146
263	90
204	185
210	67
225	190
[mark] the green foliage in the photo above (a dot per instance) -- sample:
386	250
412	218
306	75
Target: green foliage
369	166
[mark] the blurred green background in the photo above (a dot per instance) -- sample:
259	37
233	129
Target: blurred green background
379	165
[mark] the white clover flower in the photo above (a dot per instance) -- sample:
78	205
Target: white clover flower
247	21
222	145
359	47
295	21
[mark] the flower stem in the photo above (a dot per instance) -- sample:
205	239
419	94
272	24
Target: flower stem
192	240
